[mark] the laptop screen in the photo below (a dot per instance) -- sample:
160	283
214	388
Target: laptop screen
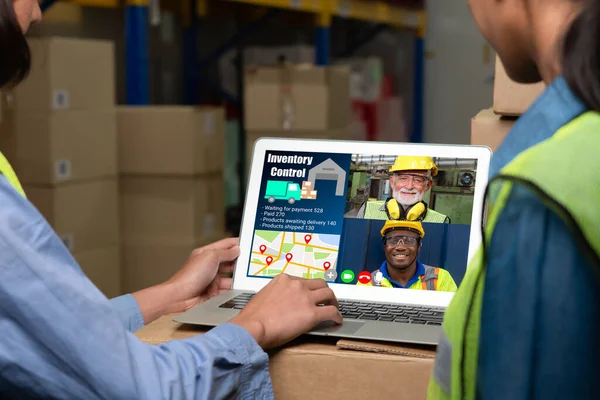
397	222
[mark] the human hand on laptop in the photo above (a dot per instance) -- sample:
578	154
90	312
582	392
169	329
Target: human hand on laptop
197	281
286	308
200	277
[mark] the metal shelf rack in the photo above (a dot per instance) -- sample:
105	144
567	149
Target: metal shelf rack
138	13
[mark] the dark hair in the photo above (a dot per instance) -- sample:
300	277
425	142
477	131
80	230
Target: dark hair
581	55
14	51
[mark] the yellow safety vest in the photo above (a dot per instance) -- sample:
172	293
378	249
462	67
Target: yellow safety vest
455	372
375	210
9	174
434	278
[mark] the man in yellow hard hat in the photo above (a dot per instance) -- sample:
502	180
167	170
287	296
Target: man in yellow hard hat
410	178
401	269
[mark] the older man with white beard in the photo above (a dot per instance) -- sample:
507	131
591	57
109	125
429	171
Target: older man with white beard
410	178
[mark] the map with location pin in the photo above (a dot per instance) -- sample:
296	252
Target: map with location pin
306	255
299	214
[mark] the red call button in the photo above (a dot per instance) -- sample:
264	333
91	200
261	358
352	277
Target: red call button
364	277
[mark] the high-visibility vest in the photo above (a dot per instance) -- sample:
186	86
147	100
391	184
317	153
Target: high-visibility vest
540	170
427	281
9	174
373	211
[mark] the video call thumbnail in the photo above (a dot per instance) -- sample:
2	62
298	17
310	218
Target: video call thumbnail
368	220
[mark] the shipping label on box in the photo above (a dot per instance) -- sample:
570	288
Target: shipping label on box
67	73
53	147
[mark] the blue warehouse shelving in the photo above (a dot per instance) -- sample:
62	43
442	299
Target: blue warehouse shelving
136	38
383	15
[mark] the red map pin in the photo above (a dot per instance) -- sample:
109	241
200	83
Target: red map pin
307	238
269	260
327	265
263	248
289	257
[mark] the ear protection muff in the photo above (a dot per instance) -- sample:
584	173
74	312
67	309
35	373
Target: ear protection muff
416	212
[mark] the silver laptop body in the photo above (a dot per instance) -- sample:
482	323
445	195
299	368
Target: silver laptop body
389	320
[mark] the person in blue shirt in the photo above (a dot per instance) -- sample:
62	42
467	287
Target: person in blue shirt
541	293
61	338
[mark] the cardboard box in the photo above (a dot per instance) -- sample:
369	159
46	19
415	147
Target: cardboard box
73	74
297	98
103	268
147	263
171	140
261	56
334	134
52	147
489	129
326	368
85	215
171	208
511	98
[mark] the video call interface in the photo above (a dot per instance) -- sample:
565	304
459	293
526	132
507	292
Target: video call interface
391	221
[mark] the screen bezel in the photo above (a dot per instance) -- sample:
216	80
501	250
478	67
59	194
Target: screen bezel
352	292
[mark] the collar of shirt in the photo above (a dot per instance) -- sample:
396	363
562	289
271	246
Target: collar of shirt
419	272
555	107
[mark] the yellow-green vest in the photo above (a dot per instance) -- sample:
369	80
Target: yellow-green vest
570	152
435	278
428	281
9	174
374	210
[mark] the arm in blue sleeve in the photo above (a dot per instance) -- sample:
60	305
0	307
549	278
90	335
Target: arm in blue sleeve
61	338
540	311
128	311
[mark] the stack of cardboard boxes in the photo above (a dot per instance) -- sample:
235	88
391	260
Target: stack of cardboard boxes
511	100
299	101
60	134
172	191
261	56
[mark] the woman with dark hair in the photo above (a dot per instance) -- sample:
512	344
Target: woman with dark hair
525	321
61	338
15	19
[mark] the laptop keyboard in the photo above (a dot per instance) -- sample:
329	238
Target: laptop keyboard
368	311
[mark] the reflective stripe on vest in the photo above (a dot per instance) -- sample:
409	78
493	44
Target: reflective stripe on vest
9	174
535	169
373	211
429	280
442	370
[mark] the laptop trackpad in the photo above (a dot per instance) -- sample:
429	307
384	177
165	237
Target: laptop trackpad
346	328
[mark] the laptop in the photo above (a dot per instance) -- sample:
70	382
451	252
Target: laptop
316	209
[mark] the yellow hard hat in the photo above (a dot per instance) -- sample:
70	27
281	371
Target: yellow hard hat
413	226
414	163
